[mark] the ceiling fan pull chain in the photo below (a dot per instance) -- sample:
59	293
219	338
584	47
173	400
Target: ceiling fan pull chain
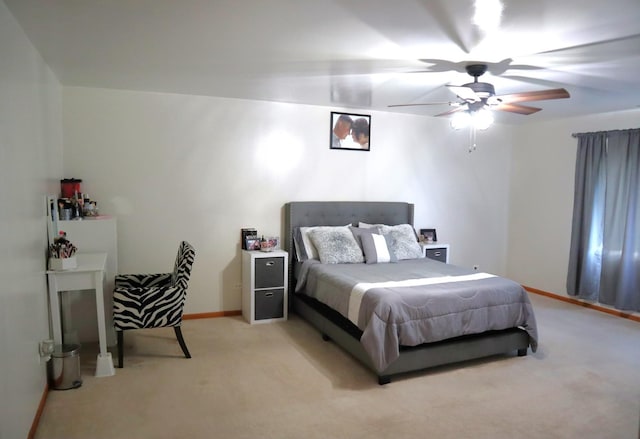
472	139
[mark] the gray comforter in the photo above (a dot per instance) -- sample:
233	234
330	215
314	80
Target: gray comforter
440	301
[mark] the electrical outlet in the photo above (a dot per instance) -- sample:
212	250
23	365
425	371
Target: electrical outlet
45	349
476	267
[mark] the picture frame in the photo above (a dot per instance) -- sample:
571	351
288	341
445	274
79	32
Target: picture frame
252	243
247	232
350	131
428	235
274	242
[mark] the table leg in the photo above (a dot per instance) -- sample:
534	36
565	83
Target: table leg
69	334
54	309
104	366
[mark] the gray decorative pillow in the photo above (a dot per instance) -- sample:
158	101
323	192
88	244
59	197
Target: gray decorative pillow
359	231
376	248
336	245
302	241
403	241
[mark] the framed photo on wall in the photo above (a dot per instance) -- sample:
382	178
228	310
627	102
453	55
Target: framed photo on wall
428	235
350	131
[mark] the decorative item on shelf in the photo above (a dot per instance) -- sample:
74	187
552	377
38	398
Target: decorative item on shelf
65	209
70	187
89	208
252	242
77	207
428	235
62	253
264	245
269	244
248	235
274	242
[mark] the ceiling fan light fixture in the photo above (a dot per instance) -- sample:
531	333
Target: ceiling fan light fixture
482	119
460	120
477	119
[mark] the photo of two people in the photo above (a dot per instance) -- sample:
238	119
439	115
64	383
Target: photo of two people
350	131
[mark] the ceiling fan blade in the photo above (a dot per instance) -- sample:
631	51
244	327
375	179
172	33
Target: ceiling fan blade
453	104
464	93
443	65
541	95
495	68
515	108
455	110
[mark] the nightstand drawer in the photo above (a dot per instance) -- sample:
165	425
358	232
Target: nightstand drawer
269	304
269	272
439	254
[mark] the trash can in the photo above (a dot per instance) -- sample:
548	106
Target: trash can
63	369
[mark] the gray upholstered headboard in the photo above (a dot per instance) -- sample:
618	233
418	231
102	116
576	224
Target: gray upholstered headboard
339	213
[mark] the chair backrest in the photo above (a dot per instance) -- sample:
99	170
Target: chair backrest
182	267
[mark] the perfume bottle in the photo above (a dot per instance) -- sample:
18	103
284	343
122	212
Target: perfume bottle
264	244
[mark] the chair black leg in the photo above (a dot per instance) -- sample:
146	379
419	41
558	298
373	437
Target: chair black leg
178	332
120	335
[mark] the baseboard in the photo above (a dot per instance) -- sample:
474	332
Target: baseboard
613	312
209	315
36	418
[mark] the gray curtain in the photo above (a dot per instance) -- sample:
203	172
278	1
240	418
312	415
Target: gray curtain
604	258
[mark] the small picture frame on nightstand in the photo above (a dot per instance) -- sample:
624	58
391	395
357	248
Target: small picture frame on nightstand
252	243
428	235
274	242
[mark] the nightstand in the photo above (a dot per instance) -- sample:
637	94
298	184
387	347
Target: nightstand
439	252
264	286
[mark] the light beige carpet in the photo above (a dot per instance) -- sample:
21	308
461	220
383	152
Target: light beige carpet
282	381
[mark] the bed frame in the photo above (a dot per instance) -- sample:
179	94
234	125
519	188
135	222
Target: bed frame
343	332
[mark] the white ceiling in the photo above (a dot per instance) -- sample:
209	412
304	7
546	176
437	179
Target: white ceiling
355	54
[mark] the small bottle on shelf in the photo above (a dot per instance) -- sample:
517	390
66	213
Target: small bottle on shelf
264	244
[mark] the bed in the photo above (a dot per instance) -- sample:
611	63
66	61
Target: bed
350	326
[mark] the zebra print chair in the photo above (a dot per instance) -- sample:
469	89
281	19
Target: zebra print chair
153	300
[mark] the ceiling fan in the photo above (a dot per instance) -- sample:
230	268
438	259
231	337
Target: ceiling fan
476	95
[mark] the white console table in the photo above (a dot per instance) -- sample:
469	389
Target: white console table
89	275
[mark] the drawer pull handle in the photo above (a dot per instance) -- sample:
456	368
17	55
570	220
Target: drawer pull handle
437	253
268	294
270	264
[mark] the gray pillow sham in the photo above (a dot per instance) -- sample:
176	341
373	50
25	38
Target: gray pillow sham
403	241
376	248
336	245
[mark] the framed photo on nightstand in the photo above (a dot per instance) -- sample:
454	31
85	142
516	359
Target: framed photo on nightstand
428	235
252	242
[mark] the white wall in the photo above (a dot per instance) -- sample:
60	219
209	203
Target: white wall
30	163
542	186
173	167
